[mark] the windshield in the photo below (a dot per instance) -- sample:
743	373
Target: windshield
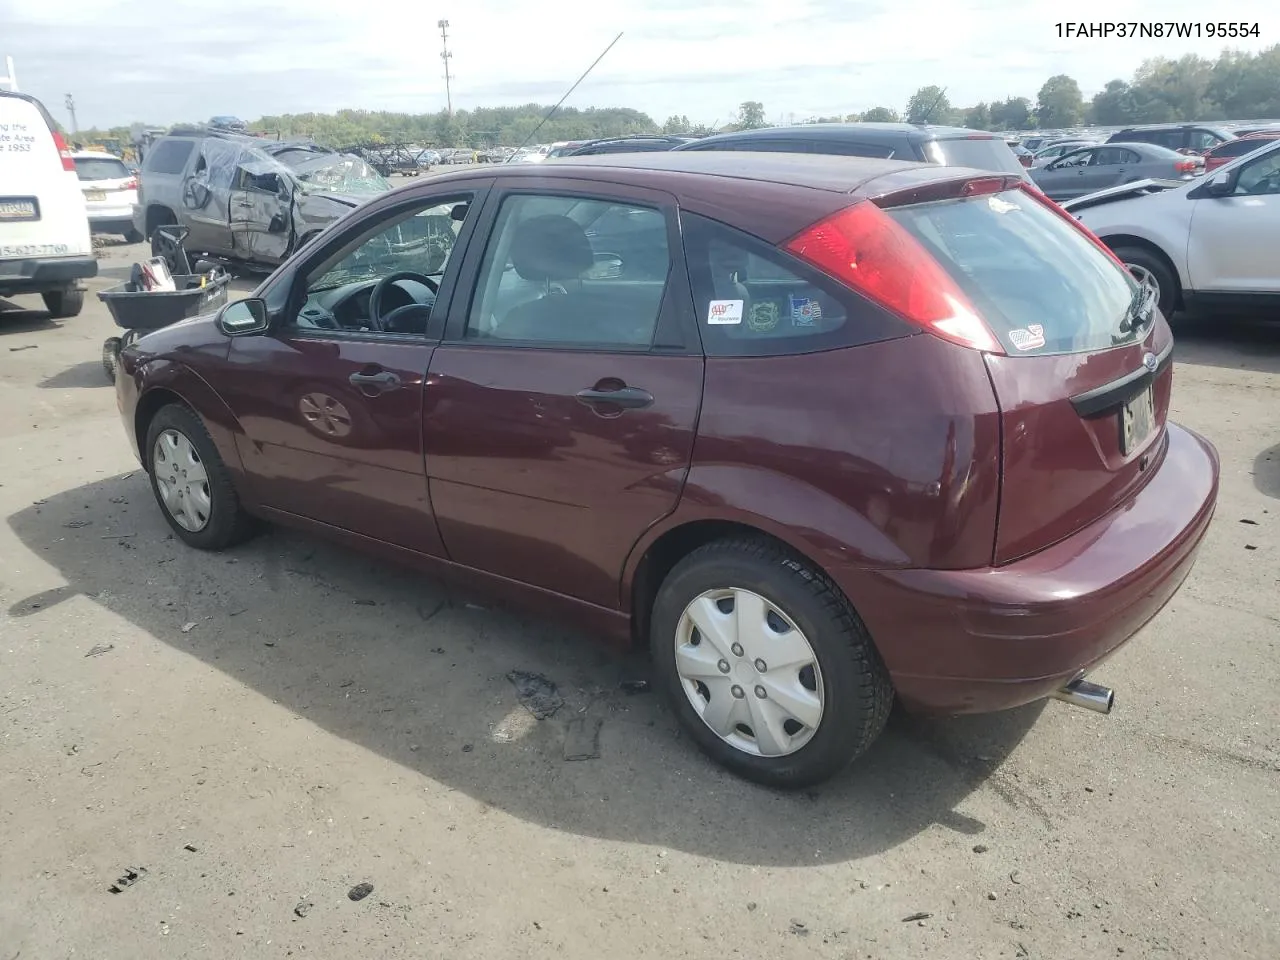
336	173
1042	285
983	154
100	168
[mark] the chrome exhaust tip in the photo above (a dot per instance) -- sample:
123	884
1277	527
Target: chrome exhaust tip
1092	696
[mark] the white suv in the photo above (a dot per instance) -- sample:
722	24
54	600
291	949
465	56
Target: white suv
110	192
1211	241
44	230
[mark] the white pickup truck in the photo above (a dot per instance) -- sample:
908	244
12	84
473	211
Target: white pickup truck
1211	241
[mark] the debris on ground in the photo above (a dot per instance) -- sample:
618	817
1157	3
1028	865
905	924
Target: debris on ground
632	687
77	524
189	847
99	649
305	906
991	895
131	876
360	891
750	906
1015	877
798	928
1250	546
1252	523
538	695
980	848
188	627
467	748
365	603
582	739
917	916
29	346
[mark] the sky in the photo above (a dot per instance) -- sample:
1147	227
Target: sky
187	60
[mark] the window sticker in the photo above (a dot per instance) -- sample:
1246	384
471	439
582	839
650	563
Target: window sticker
724	312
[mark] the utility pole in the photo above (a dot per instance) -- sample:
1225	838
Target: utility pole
445	55
11	77
71	109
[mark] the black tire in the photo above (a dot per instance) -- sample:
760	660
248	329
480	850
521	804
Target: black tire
64	303
110	357
228	523
857	692
1170	290
134	236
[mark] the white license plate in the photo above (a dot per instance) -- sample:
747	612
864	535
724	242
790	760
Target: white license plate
95	196
1137	420
18	210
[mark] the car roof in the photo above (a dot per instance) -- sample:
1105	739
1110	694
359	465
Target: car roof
1155	127
916	132
831	173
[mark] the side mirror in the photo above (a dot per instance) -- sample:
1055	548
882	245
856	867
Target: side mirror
244	318
1223	185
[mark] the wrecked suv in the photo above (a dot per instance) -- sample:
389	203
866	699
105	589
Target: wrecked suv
245	199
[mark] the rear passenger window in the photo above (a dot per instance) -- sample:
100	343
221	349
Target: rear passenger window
572	271
169	156
753	300
841	148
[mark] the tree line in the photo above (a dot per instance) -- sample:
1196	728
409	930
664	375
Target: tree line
1236	86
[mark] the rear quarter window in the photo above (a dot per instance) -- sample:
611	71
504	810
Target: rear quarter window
169	156
753	300
1041	285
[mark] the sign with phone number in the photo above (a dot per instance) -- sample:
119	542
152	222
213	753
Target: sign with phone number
35	250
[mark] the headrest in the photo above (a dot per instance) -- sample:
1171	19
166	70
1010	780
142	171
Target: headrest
551	247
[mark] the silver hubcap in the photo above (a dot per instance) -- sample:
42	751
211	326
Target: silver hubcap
1147	279
181	480
749	672
325	414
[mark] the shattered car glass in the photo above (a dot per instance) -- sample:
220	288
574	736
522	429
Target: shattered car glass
336	173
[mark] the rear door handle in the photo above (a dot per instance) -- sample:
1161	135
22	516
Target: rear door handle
245	203
375	382
627	397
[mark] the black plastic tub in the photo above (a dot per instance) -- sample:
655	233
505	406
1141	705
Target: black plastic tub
136	309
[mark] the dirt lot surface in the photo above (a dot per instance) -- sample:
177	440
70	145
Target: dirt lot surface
266	729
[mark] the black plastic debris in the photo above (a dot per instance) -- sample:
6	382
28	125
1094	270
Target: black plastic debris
189	847
131	876
537	694
305	906
632	687
99	649
582	739
360	891
917	916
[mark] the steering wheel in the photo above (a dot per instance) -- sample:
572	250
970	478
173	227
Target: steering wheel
379	291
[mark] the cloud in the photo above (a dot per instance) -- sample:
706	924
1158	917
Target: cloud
188	60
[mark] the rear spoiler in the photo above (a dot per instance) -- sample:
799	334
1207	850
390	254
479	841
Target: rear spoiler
1139	188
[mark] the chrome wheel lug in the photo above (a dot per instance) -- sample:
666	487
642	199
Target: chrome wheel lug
724	666
760	692
761	667
737	649
738	692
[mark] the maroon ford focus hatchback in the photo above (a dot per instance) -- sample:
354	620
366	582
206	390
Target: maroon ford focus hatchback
819	431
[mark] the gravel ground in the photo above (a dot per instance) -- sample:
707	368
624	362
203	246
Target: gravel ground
254	734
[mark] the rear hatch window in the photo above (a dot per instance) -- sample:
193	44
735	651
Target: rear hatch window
100	168
1083	387
1021	265
981	153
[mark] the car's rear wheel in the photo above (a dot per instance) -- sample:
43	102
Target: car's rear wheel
767	664
191	483
134	236
63	303
1153	273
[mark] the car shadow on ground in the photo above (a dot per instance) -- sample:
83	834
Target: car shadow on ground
1266	472
406	668
25	317
1237	341
90	373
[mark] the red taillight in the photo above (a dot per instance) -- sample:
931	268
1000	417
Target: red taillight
130	184
862	247
1075	223
67	163
1185	166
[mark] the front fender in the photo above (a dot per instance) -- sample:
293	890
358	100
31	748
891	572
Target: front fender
160	381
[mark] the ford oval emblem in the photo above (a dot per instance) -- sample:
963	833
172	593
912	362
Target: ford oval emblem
1150	362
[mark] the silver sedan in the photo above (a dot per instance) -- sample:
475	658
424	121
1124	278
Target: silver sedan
1090	169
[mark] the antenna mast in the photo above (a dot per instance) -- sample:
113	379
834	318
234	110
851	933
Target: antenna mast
445	55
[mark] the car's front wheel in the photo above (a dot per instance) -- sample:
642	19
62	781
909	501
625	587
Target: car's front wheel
191	483
767	664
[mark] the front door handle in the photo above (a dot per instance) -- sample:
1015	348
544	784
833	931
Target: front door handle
627	397
375	382
245	203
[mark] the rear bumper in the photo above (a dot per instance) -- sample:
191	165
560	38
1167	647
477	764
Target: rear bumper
38	274
973	641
